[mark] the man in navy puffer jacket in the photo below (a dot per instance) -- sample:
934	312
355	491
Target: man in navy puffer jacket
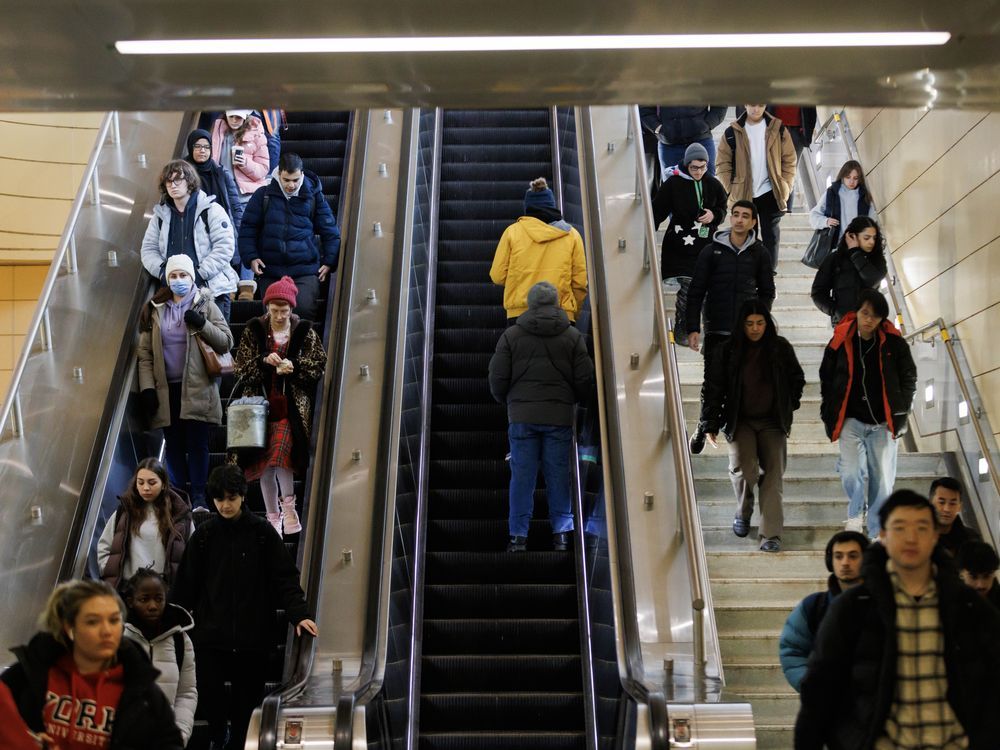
278	233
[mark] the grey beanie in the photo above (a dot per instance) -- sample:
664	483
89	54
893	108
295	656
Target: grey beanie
695	152
542	293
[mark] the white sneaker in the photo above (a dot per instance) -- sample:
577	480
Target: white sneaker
855	523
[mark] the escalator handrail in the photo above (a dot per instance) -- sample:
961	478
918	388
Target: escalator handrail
303	648
690	520
66	240
626	627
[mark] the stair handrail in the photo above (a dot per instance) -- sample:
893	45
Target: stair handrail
674	422
65	253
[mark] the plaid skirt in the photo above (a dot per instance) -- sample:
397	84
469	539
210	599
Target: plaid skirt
277	454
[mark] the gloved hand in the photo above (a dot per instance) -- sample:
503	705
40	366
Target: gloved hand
194	319
150	401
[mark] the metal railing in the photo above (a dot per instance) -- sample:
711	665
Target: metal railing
674	419
65	254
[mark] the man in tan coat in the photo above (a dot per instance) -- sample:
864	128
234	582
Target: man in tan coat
756	162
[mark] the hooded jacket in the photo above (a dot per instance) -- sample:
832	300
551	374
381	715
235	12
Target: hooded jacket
677	199
531	251
235	575
114	548
199	393
285	238
734	169
178	684
851	678
682	125
213	245
723	387
799	632
257	161
841	277
541	368
141	719
724	278
836	373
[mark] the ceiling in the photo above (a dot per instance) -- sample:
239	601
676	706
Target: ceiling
59	55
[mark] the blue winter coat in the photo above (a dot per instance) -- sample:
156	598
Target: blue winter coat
798	635
285	239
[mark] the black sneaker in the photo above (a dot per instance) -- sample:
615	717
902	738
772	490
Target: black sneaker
560	541
697	442
741	527
517	544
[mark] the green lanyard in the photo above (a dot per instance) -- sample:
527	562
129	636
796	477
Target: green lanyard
697	190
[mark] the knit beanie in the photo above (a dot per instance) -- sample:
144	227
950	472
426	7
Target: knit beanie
695	152
539	195
179	262
282	290
542	293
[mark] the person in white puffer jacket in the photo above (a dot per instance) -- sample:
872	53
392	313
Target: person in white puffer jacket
160	629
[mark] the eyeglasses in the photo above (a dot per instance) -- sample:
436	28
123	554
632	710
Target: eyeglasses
177	182
693	168
200	147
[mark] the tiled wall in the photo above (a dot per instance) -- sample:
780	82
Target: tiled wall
42	159
935	177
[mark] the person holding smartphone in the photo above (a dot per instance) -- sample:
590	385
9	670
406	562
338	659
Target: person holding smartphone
240	145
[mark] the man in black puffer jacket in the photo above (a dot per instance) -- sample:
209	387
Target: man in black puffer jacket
540	369
910	657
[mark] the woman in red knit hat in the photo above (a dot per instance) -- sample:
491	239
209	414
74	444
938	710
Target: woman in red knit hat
281	355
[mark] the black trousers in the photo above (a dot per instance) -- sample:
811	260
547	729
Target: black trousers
245	671
768	218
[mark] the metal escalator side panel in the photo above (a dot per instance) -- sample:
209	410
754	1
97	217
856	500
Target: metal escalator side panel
71	397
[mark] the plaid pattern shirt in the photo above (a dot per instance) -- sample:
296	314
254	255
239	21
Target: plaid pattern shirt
920	717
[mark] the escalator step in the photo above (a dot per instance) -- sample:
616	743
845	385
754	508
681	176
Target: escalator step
457	474
492	118
477	503
500	210
510	636
492	136
466	271
502	601
500	567
503	741
471	444
467	341
500	673
470	294
509	171
479	712
467	390
451	317
473	227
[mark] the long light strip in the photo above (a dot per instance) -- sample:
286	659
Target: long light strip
344	45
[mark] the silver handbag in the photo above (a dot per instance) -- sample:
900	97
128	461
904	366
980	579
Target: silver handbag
246	422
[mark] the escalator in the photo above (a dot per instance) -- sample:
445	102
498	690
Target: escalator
501	664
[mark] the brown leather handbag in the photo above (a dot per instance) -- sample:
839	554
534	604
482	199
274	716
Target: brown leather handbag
216	365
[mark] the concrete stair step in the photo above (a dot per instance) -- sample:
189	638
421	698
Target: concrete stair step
792	537
779	591
825	512
774	737
773	708
908	466
732	564
751	648
759	677
750	618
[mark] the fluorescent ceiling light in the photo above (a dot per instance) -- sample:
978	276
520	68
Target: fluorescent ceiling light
525	43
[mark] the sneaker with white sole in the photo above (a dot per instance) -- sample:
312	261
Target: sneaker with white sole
855	523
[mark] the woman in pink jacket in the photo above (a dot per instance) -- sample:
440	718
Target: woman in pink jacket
240	145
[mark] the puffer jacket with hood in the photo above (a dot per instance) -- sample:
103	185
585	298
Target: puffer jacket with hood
734	170
724	278
142	717
285	239
213	245
541	368
257	161
199	393
177	684
531	251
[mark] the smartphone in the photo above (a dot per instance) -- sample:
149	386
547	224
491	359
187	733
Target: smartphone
237	153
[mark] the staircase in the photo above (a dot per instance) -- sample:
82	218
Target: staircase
754	591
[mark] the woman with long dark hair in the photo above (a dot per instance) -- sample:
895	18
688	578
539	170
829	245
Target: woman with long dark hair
857	263
149	529
753	384
846	198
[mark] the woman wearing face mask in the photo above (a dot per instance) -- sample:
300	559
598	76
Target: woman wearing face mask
176	390
857	263
148	531
281	355
240	146
845	199
753	384
84	686
188	222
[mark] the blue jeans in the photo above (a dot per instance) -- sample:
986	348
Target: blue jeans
867	467
674	154
186	451
548	446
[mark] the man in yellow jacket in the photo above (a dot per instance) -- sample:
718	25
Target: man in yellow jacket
540	246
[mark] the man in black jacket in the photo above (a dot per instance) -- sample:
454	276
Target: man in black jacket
867	381
946	497
977	567
909	658
676	128
235	575
540	369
